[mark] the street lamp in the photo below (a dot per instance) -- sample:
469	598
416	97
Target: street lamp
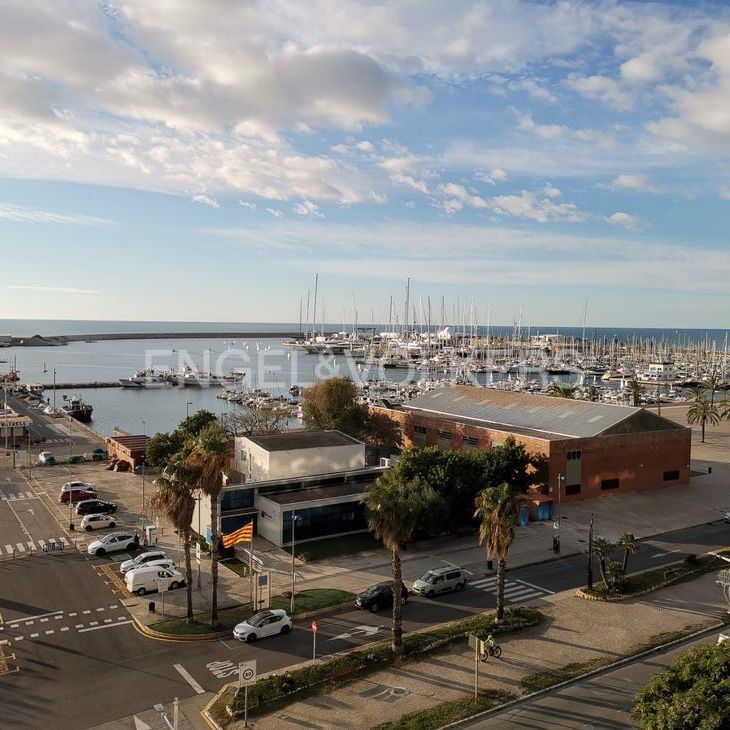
54	391
294	519
143	510
556	538
187	408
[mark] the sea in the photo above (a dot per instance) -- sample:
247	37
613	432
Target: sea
267	363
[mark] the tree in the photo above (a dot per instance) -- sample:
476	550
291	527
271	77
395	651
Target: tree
383	433
692	692
332	405
725	406
256	419
497	509
593	394
174	498
636	390
163	446
561	391
603	549
630	545
712	382
394	507
702	411
208	462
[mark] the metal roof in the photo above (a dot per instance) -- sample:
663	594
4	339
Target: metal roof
303	440
507	410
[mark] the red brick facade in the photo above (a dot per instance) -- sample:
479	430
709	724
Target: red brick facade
643	460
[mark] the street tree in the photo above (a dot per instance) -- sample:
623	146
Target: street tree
636	390
702	411
692	693
630	545
162	446
208	462
256	419
332	405
497	509
603	550
394	507
560	390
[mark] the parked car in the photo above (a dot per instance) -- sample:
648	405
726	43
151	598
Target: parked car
379	596
70	486
726	518
46	458
76	495
440	580
263	624
96	506
98	454
114	542
142	559
151	578
97	522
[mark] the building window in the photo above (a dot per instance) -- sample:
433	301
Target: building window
609	484
573	455
444	440
420	429
670	476
471	442
314	522
420	435
572	489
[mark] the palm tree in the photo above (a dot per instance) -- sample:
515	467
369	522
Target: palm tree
712	382
628	542
498	508
636	390
394	508
561	391
208	462
174	498
702	411
725	406
603	549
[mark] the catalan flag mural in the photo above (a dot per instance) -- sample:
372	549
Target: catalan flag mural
242	534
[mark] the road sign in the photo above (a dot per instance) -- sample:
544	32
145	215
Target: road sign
247	673
314	627
477	644
197	551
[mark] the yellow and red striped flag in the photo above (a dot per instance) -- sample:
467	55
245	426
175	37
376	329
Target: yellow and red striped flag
242	534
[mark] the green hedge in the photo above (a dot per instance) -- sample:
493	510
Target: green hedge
277	690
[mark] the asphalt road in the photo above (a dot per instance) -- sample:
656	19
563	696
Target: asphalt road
603	701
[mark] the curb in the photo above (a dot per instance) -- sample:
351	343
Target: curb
593	673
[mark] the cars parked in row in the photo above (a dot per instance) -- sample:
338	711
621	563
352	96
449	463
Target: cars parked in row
71	486
114	542
263	624
440	580
76	495
380	596
142	559
95	506
97	522
150	578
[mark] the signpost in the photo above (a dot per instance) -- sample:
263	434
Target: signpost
314	640
478	645
162	589
246	676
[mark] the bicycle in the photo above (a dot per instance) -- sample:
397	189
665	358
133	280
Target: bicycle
495	651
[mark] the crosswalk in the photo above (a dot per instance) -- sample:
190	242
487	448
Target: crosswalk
515	591
12	496
30	546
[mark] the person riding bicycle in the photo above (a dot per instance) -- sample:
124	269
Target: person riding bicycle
491	643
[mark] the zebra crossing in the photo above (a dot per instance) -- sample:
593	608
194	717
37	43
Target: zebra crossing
13	496
30	546
515	590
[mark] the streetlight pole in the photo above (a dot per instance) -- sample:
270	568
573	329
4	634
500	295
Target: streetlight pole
589	571
556	538
54	391
5	412
293	569
143	511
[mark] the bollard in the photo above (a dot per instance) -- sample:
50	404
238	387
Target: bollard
709	470
151	607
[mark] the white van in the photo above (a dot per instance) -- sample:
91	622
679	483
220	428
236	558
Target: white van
152	578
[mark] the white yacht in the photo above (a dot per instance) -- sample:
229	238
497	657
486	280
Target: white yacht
148	379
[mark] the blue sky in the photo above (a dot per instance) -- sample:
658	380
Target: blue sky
202	161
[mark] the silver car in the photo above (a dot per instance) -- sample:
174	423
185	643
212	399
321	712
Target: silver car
440	580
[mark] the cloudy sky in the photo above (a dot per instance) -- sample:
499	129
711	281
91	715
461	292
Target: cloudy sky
191	160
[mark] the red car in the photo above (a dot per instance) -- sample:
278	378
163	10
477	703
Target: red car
76	495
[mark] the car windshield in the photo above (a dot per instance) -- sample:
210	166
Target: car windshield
374	590
258	619
429	577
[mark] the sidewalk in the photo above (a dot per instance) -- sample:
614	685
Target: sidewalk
584	631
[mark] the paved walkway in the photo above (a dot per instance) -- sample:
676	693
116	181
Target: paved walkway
576	630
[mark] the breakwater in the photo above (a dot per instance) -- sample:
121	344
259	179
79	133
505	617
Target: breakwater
59	340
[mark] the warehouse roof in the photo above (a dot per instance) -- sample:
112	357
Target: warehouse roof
541	414
303	440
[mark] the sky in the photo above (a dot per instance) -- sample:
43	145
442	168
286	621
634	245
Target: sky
541	162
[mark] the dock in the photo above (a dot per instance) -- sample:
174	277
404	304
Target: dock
82	386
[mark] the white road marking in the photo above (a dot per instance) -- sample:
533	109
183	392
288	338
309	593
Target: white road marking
30	495
108	620
121	618
85	612
539	588
667	552
31	546
28	619
186	676
72	614
358	631
42	544
106	626
21	547
100	609
4	642
50	631
93	623
44	620
114	606
33	636
64	628
18	638
9	549
79	626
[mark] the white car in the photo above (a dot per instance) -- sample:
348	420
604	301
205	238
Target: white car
75	486
142	559
45	457
114	542
263	624
153	578
97	522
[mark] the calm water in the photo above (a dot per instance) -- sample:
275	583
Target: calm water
267	365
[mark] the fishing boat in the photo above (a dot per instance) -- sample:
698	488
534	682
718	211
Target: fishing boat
76	408
147	379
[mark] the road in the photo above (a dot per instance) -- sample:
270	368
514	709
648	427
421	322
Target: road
603	701
72	648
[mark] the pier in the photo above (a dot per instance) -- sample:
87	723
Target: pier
58	340
82	386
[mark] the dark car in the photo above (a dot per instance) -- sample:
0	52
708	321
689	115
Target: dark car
76	495
379	596
95	507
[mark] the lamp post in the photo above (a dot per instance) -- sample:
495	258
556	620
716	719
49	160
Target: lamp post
187	408
54	391
294	519
556	538
143	510
5	412
589	567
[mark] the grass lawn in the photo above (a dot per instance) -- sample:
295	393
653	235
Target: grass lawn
228	617
335	547
236	566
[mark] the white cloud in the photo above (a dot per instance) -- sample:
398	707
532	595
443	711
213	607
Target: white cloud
496	175
206	200
247	204
551	191
633	182
625	220
528	205
53	289
275	212
308	208
604	89
23	214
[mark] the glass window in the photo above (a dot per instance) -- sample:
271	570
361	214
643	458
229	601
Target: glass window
233	499
610	484
420	429
322	521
